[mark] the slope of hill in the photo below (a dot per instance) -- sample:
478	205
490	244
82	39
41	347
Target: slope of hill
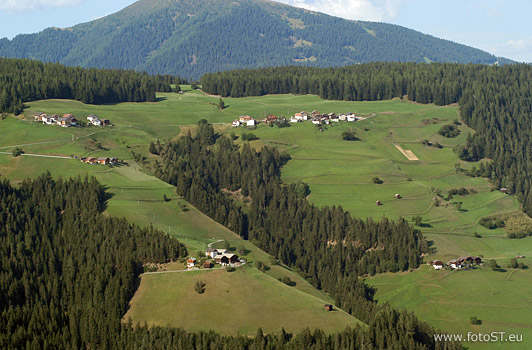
193	37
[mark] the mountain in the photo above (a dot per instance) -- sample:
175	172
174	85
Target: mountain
193	37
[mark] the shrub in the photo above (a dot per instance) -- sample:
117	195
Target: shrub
349	136
286	280
449	131
17	151
475	320
376	180
199	287
230	269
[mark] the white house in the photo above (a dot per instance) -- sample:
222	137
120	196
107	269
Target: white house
342	117
294	120
455	264
211	253
191	262
438	265
251	122
236	122
49	120
351	117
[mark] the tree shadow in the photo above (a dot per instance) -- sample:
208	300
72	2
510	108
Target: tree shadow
161	99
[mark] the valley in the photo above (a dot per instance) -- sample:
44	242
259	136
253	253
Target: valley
338	173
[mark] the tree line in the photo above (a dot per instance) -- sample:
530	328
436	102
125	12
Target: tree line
328	246
495	101
23	80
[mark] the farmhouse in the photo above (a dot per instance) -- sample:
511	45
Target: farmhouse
270	119
455	264
226	259
236	122
207	265
94	120
38	116
211	253
191	262
437	264
66	121
103	160
49	120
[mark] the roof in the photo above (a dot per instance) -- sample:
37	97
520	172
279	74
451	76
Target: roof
102	158
437	262
210	250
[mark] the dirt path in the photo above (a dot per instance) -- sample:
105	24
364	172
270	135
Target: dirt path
407	153
39	155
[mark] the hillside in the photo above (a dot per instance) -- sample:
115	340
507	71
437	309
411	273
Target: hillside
193	37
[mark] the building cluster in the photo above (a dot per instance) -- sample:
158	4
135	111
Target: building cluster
219	256
100	160
68	120
457	264
65	121
315	117
96	121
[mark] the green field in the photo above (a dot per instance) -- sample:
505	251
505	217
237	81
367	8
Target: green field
338	172
233	302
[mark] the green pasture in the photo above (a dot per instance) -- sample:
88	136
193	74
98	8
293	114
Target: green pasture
500	299
233	303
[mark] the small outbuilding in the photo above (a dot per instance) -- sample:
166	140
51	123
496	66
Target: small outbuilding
378	202
328	307
437	264
397	196
207	265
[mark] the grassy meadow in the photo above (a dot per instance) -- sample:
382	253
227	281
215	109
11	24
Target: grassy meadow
338	172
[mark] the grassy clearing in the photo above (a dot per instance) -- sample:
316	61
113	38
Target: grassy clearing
236	302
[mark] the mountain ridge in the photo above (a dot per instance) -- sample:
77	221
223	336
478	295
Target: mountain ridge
193	37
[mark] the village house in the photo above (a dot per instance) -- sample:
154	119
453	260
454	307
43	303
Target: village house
207	265
314	113
211	253
301	115
270	119
103	160
455	264
328	307
191	262
46	119
226	259
94	120
236	122
66	121
38	116
351	117
316	120
294	120
437	264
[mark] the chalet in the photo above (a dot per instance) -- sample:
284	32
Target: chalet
351	117
191	262
316	121
94	120
397	196
207	265
211	253
113	160
251	122
38	117
294	120
437	264
270	119
342	117
221	259
225	259
244	119
328	307
334	119
103	160
314	113
106	122
236	122
504	190
91	160
301	116
66	121
455	264
49	120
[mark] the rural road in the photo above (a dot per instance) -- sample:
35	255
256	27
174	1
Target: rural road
39	155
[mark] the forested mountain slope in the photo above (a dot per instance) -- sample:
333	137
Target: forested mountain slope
190	38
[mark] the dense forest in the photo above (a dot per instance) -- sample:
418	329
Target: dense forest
495	101
242	189
191	38
25	80
67	274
